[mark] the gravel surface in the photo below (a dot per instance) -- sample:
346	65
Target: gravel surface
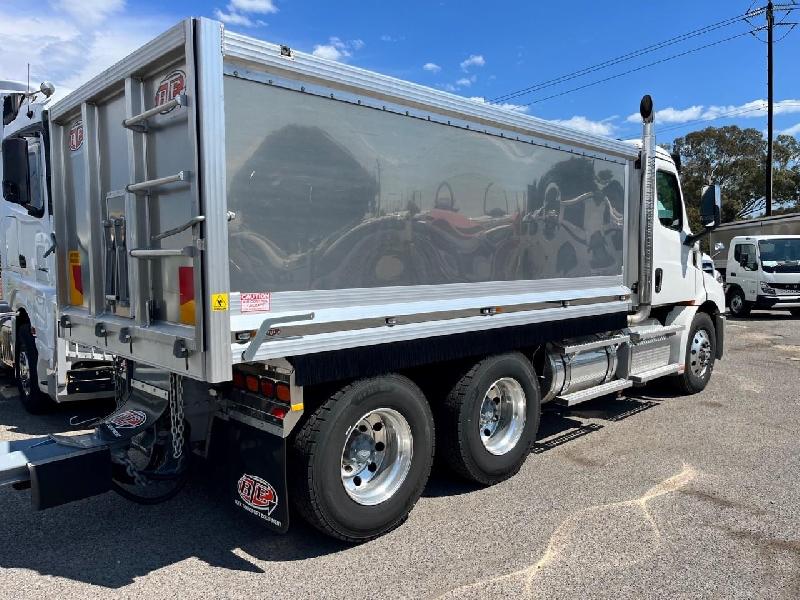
652	495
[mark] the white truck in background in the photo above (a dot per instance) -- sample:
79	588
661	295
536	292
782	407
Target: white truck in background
307	269
46	367
760	263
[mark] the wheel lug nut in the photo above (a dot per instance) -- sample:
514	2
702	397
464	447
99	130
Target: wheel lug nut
357	480
377	427
496	400
372	467
486	432
362	428
380	446
348	468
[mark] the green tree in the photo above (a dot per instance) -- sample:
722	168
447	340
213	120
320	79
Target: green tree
735	158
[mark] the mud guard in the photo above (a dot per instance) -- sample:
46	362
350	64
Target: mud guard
257	474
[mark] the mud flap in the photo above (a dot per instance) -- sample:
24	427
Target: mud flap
257	474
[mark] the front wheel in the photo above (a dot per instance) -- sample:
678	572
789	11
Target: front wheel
737	303
26	373
362	459
701	352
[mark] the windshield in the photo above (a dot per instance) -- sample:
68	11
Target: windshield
780	254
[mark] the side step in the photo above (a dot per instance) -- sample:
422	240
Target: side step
594	392
656	373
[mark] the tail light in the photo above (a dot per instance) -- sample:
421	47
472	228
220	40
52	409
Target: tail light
265	394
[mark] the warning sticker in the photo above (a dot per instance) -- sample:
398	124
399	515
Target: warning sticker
219	301
256	302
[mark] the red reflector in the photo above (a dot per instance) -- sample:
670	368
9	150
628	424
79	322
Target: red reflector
238	379
279	412
283	393
267	387
251	381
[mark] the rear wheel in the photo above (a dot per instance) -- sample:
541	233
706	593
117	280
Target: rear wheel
26	373
737	303
363	458
701	351
490	418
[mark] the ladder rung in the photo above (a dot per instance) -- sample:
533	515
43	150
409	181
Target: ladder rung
143	186
179	100
161	252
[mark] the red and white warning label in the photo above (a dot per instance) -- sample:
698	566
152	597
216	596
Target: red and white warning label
256	302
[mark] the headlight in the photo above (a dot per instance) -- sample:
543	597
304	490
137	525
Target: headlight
767	288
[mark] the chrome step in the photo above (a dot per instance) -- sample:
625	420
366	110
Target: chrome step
576	348
645	333
656	373
595	392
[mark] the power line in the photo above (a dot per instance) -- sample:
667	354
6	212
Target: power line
626	57
639	68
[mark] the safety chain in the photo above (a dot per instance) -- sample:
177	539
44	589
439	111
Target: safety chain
133	472
120	383
176	413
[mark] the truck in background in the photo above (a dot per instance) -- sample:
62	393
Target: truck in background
318	274
46	367
760	263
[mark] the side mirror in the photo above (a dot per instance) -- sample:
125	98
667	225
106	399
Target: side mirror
710	202
710	214
16	186
11	105
719	247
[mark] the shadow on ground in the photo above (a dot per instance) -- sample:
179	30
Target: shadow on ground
109	542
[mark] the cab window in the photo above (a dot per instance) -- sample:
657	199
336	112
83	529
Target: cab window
745	255
668	200
37	202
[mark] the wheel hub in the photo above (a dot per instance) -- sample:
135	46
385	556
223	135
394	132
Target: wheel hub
24	373
502	416
700	353
376	456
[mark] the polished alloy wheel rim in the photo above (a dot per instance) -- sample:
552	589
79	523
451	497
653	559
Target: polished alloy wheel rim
502	416
736	303
24	373
376	456
700	353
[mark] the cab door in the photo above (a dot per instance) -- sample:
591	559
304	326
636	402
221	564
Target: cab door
746	273
674	269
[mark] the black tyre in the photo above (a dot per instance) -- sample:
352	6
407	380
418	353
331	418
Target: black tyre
489	420
795	312
701	352
361	460
26	373
737	303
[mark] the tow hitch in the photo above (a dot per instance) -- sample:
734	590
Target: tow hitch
64	468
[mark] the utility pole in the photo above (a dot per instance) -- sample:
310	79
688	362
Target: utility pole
770	27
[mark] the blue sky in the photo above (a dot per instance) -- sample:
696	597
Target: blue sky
470	48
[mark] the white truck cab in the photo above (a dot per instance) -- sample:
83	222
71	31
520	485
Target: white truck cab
46	367
763	272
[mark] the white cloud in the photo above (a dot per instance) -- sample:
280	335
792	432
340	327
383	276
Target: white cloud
581	123
465	81
794	130
473	60
264	7
699	112
518	108
66	47
432	67
337	49
88	11
392	38
233	18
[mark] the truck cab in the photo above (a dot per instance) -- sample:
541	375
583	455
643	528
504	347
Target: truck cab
46	367
763	272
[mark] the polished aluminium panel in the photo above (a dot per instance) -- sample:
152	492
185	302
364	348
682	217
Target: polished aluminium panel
267	56
211	120
278	347
332	195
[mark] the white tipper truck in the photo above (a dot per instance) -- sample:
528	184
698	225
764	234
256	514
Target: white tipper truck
46	367
318	275
760	262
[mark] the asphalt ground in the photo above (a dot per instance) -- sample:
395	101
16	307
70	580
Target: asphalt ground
649	496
